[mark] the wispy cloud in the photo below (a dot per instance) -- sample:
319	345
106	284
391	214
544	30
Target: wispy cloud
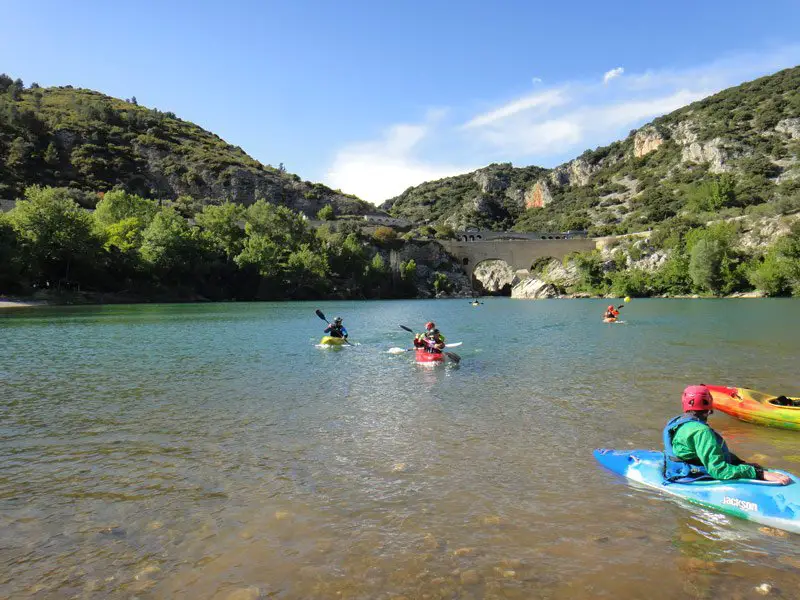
545	127
612	74
542	101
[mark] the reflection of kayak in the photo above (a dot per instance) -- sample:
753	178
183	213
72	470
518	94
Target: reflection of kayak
429	357
331	341
757	407
760	501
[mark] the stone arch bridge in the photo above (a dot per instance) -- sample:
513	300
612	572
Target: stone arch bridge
519	254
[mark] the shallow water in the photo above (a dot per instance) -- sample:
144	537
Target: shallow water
212	451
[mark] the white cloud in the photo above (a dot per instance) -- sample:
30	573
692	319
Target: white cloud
536	80
544	128
379	170
612	74
544	101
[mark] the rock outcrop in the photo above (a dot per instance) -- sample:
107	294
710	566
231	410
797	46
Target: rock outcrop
534	289
790	127
646	140
710	152
495	276
538	196
575	172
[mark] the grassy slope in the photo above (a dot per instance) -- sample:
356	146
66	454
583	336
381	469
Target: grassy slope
100	142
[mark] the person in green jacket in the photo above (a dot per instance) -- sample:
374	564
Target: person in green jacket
692	450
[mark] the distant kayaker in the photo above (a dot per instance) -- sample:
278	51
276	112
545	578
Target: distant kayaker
692	450
336	329
611	313
432	340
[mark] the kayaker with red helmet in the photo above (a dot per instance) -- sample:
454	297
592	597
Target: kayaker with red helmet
692	450
611	313
431	340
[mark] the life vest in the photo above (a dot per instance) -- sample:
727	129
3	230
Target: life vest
336	331
677	469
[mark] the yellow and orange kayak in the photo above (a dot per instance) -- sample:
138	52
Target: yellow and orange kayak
757	407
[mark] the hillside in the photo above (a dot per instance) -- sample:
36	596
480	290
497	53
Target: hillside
732	153
90	142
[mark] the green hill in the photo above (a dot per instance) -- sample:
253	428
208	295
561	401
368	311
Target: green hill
90	142
732	153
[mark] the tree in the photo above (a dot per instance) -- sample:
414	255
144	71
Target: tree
9	255
118	205
306	268
441	283
56	236
51	155
167	243
326	213
223	226
384	236
18	152
263	254
705	265
408	270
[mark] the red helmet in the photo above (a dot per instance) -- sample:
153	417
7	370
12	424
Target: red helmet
430	325
610	307
697	397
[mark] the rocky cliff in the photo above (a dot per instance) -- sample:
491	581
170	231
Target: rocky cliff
732	151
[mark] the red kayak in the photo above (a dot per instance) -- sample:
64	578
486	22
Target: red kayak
424	356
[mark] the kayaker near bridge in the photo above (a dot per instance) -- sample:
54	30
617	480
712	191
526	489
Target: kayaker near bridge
694	451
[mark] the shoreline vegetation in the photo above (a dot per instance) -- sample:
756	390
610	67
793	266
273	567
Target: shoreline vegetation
131	249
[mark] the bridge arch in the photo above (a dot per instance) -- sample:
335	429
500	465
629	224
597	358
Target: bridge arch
519	254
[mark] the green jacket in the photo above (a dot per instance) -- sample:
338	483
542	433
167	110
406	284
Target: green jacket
697	442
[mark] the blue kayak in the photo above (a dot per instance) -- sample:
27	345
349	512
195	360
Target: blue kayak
760	501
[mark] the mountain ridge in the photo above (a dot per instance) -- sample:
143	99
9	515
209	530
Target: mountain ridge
743	142
88	141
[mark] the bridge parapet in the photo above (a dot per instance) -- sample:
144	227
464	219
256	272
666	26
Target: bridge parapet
519	254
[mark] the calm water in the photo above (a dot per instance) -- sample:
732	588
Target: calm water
212	451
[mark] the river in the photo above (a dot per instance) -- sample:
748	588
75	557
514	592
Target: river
213	451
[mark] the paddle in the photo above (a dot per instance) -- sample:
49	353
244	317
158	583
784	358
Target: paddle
451	355
321	315
396	350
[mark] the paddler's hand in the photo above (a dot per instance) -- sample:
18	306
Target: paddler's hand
777	477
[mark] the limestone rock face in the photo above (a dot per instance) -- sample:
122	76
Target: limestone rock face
490	181
538	196
495	276
575	172
684	133
710	152
534	289
645	141
790	127
559	275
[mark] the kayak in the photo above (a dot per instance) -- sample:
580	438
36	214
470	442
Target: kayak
609	319
431	358
757	407
763	502
331	341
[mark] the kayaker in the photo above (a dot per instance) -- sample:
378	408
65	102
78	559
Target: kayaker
692	450
611	313
336	329
432	340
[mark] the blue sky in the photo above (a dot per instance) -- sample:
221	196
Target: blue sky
372	97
